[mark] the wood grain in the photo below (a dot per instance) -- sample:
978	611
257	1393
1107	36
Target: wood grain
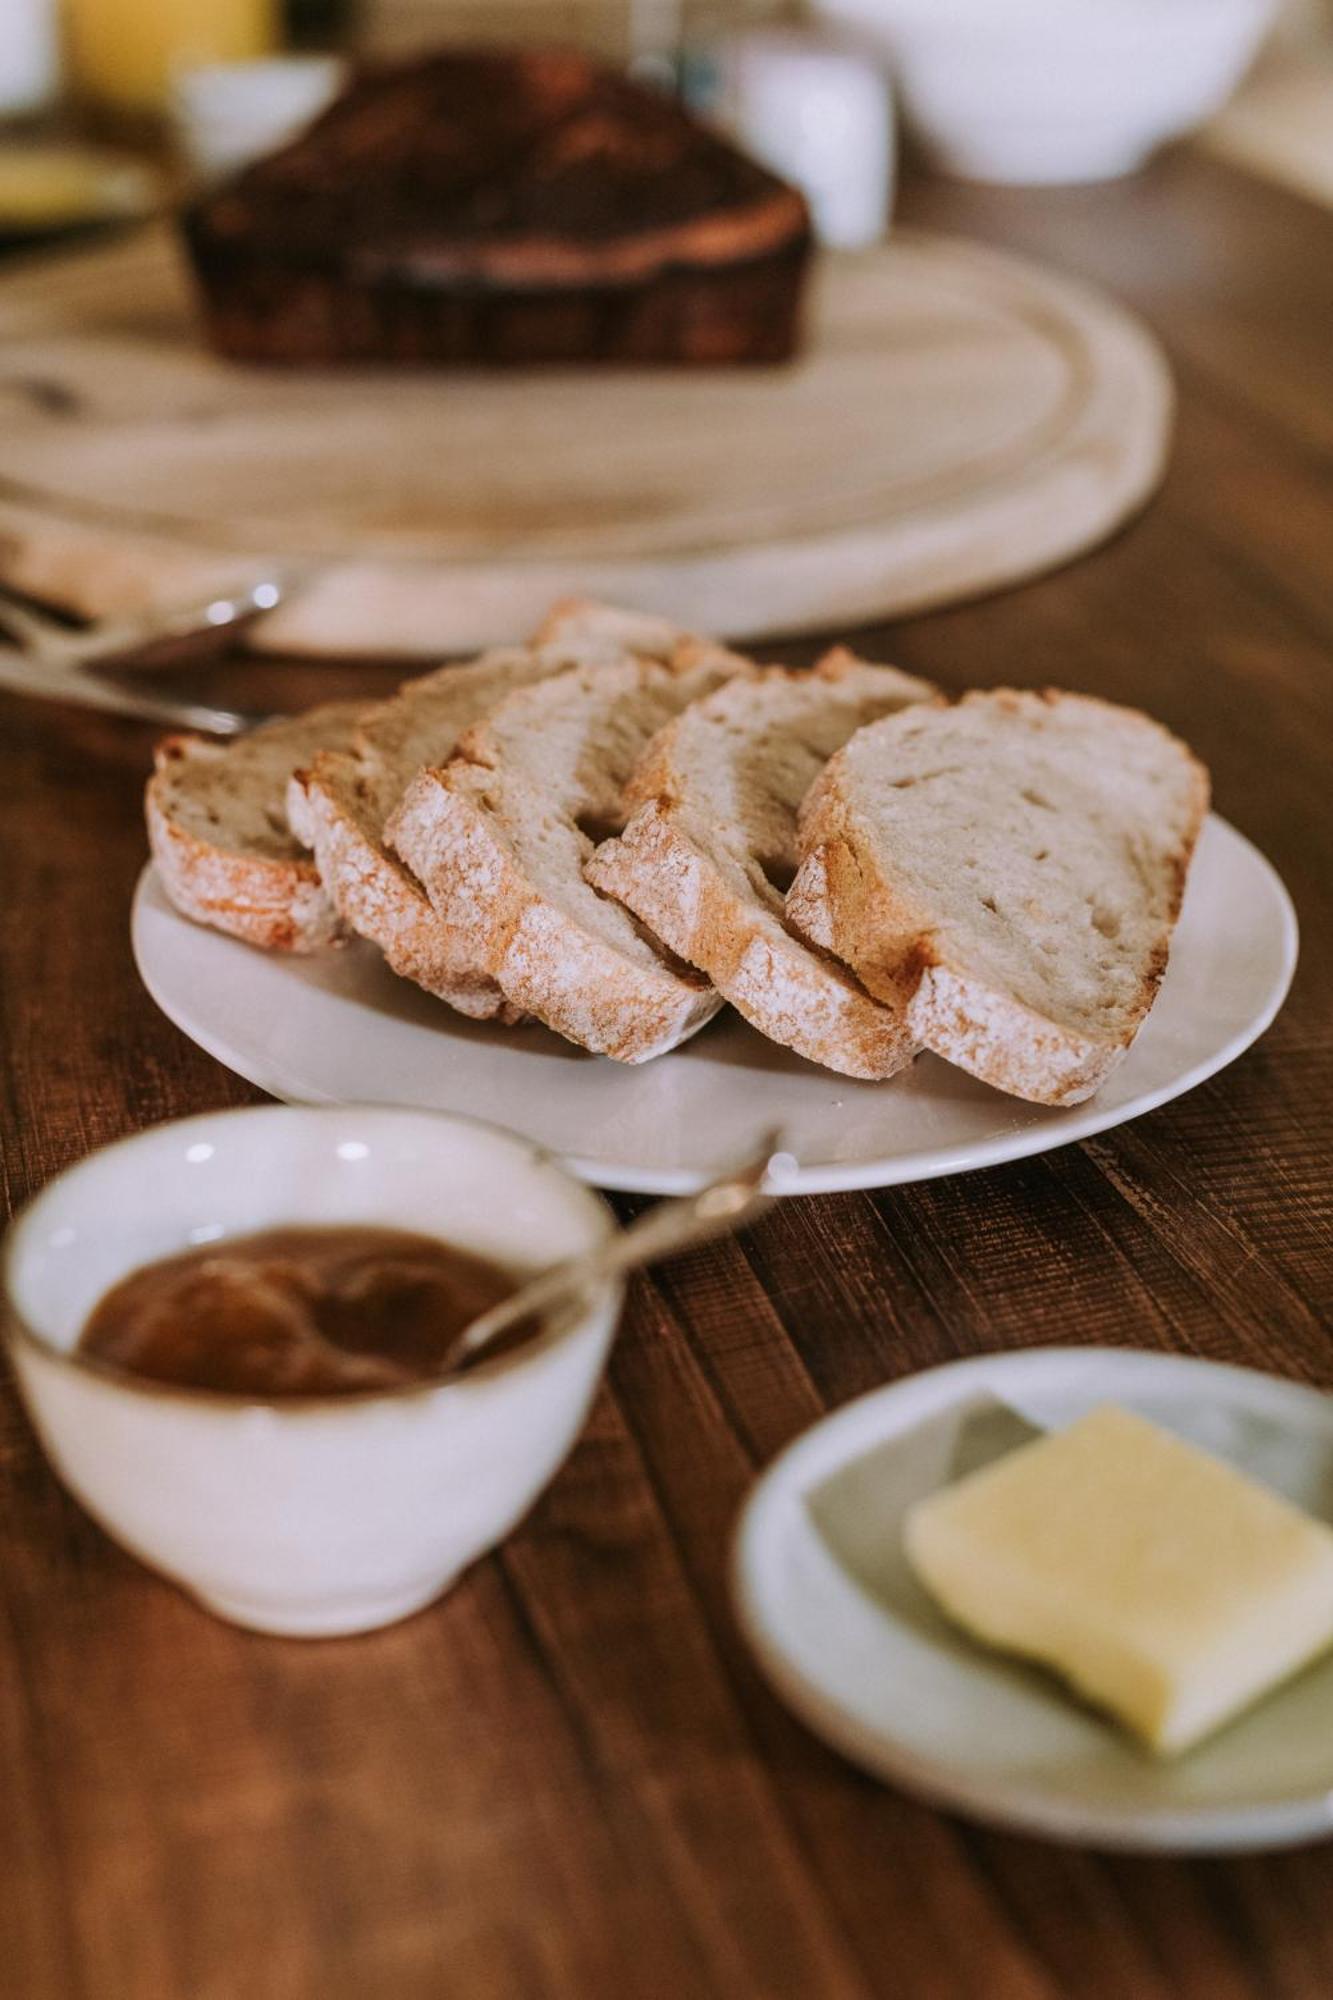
957	420
568	1778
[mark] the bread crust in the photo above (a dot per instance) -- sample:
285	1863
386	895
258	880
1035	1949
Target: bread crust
545	964
584	623
460	831
276	905
334	810
276	902
780	985
340	805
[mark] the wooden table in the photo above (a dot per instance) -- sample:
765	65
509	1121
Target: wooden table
568	1778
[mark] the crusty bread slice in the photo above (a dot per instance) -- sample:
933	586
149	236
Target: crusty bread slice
218	830
1008	869
586	623
499	838
710	850
339	806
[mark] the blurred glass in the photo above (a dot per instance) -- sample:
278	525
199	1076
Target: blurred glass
646	33
123	55
28	63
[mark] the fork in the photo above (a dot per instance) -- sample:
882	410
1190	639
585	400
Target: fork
57	662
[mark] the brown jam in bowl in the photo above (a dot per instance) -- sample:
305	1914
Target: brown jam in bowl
295	1312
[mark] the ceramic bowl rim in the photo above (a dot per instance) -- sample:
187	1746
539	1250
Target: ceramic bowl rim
18	1334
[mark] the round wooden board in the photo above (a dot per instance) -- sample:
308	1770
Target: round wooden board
960	420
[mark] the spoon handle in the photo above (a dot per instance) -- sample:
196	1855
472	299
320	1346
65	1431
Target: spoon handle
673	1225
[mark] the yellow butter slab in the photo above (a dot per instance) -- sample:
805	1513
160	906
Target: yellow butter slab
1160	1582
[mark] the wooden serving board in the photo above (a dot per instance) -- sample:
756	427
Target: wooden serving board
960	420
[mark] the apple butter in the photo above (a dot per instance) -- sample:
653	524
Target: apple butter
295	1312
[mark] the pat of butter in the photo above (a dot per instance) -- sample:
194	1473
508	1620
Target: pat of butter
1164	1585
53	186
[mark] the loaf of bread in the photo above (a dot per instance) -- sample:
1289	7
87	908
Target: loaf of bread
502	207
710	849
1008	871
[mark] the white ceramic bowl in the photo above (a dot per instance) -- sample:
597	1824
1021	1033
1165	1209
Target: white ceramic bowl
229	113
308	1516
1057	90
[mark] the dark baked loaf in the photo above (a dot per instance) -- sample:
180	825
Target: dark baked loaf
502	207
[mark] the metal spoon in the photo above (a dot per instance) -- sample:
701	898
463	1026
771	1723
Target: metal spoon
718	1209
52	643
58	662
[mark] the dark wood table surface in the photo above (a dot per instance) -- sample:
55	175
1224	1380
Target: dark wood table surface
568	1777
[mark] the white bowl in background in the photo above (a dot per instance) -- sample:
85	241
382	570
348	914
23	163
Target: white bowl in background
1030	91
226	114
311	1515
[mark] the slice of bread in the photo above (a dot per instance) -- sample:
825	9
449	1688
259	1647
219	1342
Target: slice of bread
708	854
218	829
585	623
500	836
338	807
1008	869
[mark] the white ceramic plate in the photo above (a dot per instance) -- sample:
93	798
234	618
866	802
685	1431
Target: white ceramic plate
856	1648
341	1027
